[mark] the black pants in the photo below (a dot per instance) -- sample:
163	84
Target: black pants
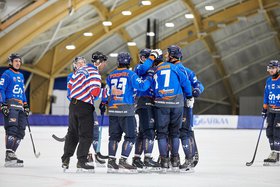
80	130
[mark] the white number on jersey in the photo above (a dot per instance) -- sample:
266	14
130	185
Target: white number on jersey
166	74
119	84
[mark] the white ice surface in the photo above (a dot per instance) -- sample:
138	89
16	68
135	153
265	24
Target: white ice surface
223	154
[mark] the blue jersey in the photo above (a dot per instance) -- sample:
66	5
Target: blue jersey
121	84
192	77
169	86
272	94
12	86
144	98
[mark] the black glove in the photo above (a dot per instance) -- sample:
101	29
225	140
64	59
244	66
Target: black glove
151	73
102	108
26	109
264	113
5	109
196	92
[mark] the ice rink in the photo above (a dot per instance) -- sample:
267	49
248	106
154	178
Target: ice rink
223	154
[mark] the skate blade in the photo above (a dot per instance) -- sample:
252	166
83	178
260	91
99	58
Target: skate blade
112	170
128	171
82	170
100	165
173	170
271	164
187	170
151	169
13	164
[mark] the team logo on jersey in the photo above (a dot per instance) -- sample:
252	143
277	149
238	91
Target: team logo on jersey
164	91
273	86
12	120
14	79
18	79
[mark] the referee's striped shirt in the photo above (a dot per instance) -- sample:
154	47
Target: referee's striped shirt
85	84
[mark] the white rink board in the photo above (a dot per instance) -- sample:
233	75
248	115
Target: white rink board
223	154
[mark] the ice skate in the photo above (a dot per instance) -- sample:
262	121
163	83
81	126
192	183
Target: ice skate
112	166
164	163
85	167
11	160
272	160
126	167
150	165
136	162
99	162
186	167
65	164
175	163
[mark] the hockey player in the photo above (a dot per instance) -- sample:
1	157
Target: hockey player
144	109
271	110
174	55
15	109
169	87
85	86
121	84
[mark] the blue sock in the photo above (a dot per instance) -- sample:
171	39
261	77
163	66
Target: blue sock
138	147
162	146
10	142
188	147
175	147
148	147
126	148
113	146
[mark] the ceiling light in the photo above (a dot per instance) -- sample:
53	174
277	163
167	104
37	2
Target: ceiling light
88	34
113	54
131	43
70	47
126	13
209	8
145	3
189	16
107	23
169	24
150	34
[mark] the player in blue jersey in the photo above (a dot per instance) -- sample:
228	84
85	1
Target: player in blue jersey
121	84
174	54
169	87
144	109
15	109
271	110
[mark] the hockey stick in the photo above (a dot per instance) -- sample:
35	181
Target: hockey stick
250	163
196	155
99	140
58	138
34	150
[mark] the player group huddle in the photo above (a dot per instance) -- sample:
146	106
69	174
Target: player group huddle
161	92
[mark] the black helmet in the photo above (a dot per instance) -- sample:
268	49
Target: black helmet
175	51
98	56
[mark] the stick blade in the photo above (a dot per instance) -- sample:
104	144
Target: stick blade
249	163
37	155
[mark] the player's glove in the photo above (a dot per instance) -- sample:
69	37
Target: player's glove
196	92
151	73
26	109
5	109
190	102
102	108
156	53
264	113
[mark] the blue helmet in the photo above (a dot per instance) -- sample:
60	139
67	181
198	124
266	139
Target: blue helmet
273	63
124	58
175	52
12	57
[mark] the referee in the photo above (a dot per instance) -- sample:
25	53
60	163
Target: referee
84	86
